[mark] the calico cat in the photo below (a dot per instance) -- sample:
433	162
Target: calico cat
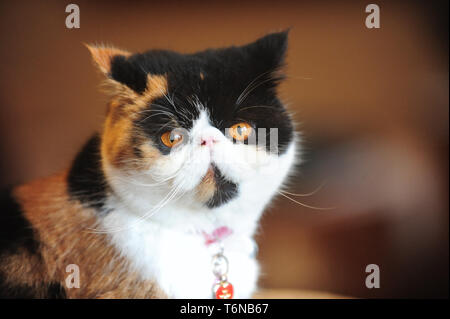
164	202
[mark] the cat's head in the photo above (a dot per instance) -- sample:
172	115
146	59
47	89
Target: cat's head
203	126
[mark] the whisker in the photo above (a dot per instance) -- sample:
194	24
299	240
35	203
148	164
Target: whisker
307	194
168	198
249	88
306	205
258	106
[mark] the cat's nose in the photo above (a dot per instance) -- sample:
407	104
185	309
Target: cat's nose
207	141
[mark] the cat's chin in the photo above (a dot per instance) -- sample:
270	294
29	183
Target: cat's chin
209	173
207	186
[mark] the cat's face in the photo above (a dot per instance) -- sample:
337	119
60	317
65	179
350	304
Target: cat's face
195	125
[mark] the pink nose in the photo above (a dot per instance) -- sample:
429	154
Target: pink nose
207	141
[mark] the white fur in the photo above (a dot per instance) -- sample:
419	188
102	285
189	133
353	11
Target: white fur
167	245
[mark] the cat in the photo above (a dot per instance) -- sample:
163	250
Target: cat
175	177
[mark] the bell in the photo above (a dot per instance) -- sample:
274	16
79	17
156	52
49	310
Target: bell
223	290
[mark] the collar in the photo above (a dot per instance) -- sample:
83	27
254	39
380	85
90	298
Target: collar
222	288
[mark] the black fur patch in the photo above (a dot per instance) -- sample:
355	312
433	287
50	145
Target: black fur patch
39	290
86	181
128	72
55	291
15	231
9	291
225	190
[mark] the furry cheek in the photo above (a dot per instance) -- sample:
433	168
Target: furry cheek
195	162
115	146
236	161
148	155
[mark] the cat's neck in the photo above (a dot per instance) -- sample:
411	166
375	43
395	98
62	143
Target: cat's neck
178	216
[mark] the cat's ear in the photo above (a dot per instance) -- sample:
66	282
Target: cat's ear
104	56
269	52
123	76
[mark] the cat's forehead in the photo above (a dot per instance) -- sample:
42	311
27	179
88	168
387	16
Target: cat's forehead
197	74
211	79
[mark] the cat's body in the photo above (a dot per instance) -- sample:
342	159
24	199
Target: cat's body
49	232
134	210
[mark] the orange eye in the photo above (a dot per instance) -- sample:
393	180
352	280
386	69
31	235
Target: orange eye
240	131
170	138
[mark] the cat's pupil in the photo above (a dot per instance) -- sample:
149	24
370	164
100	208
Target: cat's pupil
174	137
239	130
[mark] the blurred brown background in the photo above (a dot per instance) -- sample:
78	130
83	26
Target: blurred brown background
372	105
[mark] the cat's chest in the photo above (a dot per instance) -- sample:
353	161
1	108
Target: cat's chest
181	262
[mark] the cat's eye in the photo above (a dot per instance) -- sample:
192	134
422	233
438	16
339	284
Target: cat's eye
240	131
170	138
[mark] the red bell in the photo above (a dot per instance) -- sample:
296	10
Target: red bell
224	290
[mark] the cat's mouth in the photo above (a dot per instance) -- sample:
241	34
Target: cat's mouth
214	190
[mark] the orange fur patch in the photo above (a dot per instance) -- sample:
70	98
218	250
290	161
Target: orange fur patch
156	87
103	55
116	145
119	131
65	230
149	153
207	187
25	269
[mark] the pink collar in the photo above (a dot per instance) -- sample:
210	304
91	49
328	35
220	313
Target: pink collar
217	235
